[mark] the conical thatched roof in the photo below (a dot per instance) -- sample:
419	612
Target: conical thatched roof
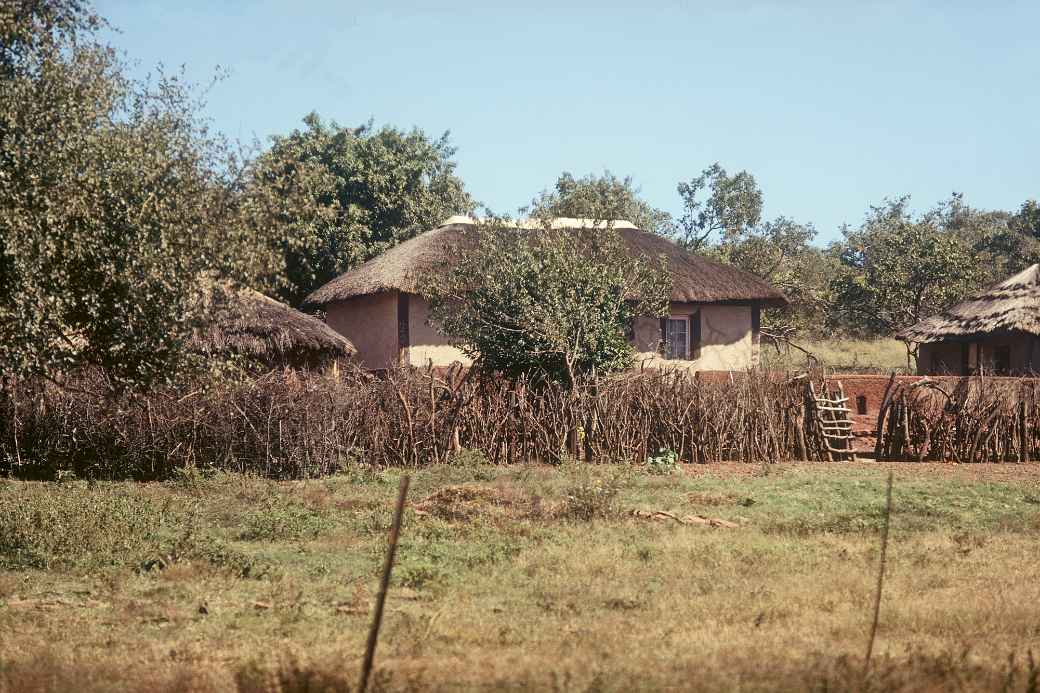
1012	305
248	324
408	267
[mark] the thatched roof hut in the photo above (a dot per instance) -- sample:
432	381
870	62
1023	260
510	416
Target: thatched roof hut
1011	306
407	267
264	331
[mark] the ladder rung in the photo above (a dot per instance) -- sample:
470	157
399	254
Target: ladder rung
827	400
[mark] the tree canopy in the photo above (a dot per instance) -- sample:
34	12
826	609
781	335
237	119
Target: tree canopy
548	303
1027	220
717	203
119	208
600	197
897	269
115	206
336	196
781	252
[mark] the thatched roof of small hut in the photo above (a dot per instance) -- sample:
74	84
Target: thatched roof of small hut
408	267
1012	305
248	324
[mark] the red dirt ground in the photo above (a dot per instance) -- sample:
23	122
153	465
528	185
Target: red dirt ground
903	470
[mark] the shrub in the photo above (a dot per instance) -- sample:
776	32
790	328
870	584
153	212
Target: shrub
418	574
276	522
550	304
193	545
663	463
470	458
593	494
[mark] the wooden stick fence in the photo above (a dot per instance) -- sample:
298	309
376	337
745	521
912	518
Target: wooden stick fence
970	420
297	425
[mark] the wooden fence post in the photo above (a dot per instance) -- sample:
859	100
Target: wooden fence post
384	585
1023	437
881	575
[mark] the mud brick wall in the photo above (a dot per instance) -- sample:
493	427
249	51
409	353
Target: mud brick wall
868	391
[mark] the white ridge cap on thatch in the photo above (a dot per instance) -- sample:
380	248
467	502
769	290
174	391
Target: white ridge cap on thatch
1012	305
554	223
409	266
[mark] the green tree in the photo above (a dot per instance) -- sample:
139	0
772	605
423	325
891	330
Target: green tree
335	196
897	269
1027	220
781	252
604	197
551	303
717	203
1000	248
723	220
115	206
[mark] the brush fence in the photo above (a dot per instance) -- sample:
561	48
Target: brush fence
298	424
292	425
962	420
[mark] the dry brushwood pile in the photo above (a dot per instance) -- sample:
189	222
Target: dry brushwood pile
965	420
297	424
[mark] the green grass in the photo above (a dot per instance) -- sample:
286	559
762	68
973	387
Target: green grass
847	355
528	578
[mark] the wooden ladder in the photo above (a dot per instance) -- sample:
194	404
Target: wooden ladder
831	416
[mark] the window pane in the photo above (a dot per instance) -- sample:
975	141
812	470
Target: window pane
676	338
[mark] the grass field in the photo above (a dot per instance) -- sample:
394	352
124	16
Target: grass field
850	355
526	578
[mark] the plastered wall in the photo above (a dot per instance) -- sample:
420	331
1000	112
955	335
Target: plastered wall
370	322
726	339
427	346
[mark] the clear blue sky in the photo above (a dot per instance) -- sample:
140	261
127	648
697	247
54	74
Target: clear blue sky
831	105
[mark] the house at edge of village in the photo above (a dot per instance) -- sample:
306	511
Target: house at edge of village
994	332
712	326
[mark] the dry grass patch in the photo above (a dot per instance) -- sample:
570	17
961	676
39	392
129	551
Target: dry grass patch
463	503
843	355
489	594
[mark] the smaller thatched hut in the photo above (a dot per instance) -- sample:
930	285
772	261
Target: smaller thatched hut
995	332
265	333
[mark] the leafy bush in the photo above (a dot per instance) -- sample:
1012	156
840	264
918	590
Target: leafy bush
663	463
193	545
475	462
418	574
593	494
550	304
276	522
467	457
